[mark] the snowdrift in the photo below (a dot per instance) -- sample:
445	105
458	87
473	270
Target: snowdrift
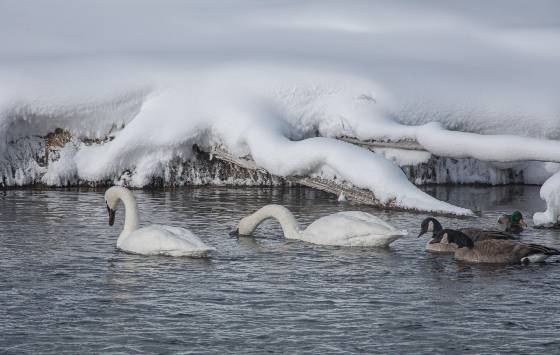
550	192
280	82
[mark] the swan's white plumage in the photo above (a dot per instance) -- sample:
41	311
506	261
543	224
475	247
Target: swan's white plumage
154	239
351	228
163	240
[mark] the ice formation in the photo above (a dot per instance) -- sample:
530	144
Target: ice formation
280	81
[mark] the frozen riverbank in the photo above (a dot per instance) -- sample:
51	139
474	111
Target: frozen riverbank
49	161
279	82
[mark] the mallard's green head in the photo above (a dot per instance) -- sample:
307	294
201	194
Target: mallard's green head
517	218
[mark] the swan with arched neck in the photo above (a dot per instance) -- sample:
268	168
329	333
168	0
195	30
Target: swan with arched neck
351	228
154	239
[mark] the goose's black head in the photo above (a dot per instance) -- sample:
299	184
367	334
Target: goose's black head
430	224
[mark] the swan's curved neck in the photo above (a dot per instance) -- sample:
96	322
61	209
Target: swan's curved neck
131	220
286	219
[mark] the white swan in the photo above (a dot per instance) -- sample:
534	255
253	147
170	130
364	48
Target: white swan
351	228
152	240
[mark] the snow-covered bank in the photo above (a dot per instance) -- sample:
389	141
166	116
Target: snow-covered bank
441	170
280	81
500	148
35	160
550	192
28	164
275	117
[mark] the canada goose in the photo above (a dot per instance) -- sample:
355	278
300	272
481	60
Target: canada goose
498	251
351	228
440	243
513	223
154	239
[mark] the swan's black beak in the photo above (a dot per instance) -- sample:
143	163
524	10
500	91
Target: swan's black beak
234	233
111	216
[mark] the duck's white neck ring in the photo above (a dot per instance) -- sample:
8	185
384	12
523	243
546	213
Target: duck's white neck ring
290	227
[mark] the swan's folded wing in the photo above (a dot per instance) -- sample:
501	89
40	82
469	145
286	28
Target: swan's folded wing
183	239
351	229
366	218
166	240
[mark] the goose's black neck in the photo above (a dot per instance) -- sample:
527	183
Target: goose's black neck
437	228
458	237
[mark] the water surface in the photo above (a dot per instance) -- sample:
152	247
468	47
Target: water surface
64	287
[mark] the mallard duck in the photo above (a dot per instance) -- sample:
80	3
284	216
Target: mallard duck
440	242
498	251
513	223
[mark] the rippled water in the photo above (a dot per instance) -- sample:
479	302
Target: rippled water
65	288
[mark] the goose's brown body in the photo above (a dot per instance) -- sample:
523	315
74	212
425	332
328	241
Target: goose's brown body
478	235
501	251
440	242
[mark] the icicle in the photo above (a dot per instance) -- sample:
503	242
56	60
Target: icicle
342	197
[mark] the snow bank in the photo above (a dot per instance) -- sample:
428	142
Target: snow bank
501	148
266	79
264	121
403	157
271	113
339	160
550	192
468	65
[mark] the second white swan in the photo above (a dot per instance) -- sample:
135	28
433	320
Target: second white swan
152	240
352	228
